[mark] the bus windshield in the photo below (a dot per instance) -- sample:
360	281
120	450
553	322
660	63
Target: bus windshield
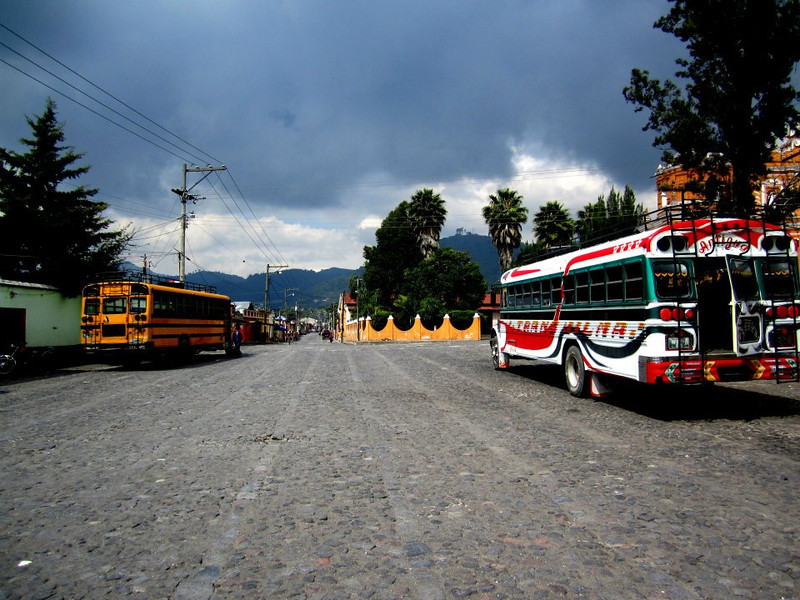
672	279
114	306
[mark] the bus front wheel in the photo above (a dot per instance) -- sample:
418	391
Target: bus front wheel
499	359
575	372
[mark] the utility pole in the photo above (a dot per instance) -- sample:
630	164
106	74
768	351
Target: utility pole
266	297
185	195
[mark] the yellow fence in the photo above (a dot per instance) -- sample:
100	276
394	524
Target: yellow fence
362	331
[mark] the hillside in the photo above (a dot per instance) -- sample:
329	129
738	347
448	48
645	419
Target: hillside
317	289
480	249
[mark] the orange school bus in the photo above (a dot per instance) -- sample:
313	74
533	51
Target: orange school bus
146	314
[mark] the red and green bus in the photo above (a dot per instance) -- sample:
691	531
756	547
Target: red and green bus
694	301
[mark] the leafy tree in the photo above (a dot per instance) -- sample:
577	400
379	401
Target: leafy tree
738	97
48	233
395	250
427	214
553	226
446	280
528	252
367	298
610	218
505	217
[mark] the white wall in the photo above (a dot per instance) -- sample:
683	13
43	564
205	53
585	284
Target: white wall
50	318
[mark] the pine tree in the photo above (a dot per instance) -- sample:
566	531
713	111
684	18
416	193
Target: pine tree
50	232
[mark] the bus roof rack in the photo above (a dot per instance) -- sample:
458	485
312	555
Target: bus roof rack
164	280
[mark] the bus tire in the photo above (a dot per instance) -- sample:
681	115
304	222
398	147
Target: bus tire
575	372
185	350
499	359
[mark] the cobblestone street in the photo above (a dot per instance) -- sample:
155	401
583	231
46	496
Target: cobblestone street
318	470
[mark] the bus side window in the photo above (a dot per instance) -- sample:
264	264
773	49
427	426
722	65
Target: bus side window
555	290
634	288
526	295
597	286
536	294
582	287
569	289
546	292
512	297
614	288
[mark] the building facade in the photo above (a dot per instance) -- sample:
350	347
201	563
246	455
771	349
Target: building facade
676	185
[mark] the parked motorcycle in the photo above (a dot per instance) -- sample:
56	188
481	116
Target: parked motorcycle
8	362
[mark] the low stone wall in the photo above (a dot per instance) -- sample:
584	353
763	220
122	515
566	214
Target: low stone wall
362	331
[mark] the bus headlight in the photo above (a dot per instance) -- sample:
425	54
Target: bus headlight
679	339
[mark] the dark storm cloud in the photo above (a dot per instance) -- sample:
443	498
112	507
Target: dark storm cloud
304	99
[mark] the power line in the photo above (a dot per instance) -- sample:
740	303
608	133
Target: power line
103	90
262	248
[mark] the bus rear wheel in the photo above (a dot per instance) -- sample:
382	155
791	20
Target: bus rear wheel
575	372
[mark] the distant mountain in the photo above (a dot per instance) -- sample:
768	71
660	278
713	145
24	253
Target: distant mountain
480	249
317	289
307	288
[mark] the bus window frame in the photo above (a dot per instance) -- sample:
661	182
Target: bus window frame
141	305
633	283
685	272
88	304
115	302
767	281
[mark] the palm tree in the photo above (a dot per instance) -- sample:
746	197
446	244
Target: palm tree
505	216
553	226
427	214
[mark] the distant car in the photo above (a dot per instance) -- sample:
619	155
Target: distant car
326	333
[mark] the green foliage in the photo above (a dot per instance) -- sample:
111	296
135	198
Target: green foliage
395	251
553	226
49	233
738	96
446	280
379	318
431	312
426	214
527	254
462	319
610	218
505	217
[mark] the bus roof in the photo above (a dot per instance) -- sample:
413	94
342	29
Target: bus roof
691	238
161	280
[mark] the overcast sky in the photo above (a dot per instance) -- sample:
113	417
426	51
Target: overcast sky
329	113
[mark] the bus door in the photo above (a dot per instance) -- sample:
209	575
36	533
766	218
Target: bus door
714	306
90	320
746	320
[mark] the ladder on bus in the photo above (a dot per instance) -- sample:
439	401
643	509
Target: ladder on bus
686	222
785	371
